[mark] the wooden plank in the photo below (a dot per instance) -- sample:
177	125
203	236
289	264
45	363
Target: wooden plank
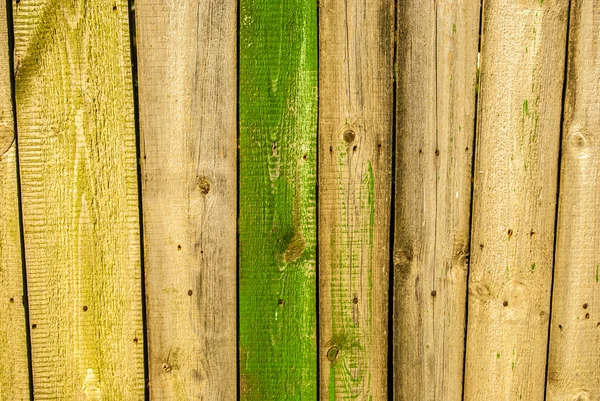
187	85
514	205
437	74
77	152
14	371
355	171
574	362
277	223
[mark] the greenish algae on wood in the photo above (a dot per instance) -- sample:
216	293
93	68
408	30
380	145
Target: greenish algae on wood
187	97
573	357
435	98
77	152
277	222
514	198
356	47
14	373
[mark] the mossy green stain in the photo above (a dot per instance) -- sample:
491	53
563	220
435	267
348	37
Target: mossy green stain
277	236
453	28
533	267
596	273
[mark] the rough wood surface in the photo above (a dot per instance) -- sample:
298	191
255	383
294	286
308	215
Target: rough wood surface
77	151
574	361
277	223
14	373
355	171
514	205
437	75
187	87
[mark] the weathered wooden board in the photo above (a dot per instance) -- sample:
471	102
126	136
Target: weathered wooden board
77	152
574	360
14	373
277	223
514	205
187	96
356	47
436	89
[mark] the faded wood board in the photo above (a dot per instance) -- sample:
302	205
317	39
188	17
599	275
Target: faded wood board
187	96
14	373
514	205
355	171
436	89
277	222
574	362
77	152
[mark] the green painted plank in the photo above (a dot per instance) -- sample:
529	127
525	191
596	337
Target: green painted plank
277	222
77	153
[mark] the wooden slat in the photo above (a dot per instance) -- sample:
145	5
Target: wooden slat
437	73
187	86
355	171
514	205
14	374
277	224
574	361
77	153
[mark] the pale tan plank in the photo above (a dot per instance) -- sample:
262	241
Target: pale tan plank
77	155
187	86
14	374
355	149
514	205
574	360
437	72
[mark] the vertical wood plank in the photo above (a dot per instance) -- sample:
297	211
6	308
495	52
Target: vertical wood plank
277	223
355	148
574	362
187	86
437	74
80	202
514	205
14	373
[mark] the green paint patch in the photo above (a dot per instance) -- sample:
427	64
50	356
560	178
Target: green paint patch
498	356
453	28
533	266
596	273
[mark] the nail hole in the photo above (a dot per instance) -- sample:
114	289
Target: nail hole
179	247
433	293
331	149
587	315
510	232
135	340
505	303
354	148
437	152
585	306
34	326
560	327
85	308
280	302
355	300
190	292
114	7
12	300
305	157
166	367
203	185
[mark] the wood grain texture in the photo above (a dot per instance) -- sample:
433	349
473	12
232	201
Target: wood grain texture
187	87
514	205
77	152
277	222
355	171
14	373
437	75
574	361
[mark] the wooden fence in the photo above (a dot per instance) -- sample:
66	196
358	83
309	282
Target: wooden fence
291	200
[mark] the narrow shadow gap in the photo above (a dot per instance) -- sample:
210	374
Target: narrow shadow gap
317	265
136	112
11	64
237	220
562	120
390	350
474	150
